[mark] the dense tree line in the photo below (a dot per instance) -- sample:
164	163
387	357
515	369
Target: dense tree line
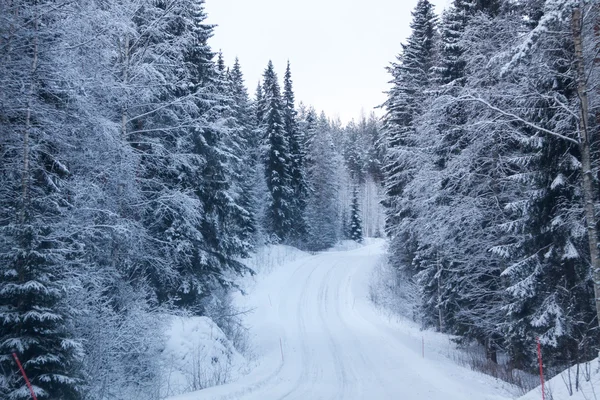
135	173
490	174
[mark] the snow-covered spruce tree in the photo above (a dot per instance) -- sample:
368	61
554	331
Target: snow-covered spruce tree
356	232
460	282
177	123
411	75
112	299
360	145
277	160
35	248
417	254
550	285
258	107
449	69
375	144
233	110
308	127
258	183
411	78
215	257
448	123
296	167
248	155
354	149
322	210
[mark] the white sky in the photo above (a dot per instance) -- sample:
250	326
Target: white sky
338	49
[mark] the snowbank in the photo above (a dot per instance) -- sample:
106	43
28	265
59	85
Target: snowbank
270	257
557	388
197	355
346	245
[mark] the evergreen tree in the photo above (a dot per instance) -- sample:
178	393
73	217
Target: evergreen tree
277	160
411	75
183	133
37	250
375	153
550	290
323	173
356	232
496	202
355	148
259	109
296	167
247	153
309	132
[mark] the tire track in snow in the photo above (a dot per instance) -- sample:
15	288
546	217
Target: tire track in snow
275	375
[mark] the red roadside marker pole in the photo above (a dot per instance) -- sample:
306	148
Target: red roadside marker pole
539	351
24	376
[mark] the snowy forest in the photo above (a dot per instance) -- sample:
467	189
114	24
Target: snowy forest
136	174
491	170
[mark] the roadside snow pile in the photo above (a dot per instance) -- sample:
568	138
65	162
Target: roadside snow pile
391	293
346	245
197	355
563	387
267	258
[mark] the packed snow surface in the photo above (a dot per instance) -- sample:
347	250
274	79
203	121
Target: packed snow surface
559	388
317	336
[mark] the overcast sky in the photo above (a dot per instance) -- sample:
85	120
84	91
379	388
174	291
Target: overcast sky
338	49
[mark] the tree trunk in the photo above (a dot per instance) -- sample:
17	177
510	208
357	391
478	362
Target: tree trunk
589	193
491	351
439	290
25	172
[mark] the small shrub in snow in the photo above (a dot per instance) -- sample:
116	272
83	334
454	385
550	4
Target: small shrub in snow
197	355
392	292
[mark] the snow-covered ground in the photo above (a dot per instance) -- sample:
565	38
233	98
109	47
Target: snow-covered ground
563	385
197	355
316	335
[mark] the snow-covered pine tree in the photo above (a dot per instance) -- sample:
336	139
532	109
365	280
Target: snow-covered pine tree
354	149
180	131
248	156
296	167
216	255
36	246
550	287
375	153
323	173
356	231
113	301
309	132
447	122
277	160
411	75
235	129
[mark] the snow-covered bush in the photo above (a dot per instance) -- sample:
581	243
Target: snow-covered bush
197	355
393	292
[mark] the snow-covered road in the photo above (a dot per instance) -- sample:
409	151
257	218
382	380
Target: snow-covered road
335	345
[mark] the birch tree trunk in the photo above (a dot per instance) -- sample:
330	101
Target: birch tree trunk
586	162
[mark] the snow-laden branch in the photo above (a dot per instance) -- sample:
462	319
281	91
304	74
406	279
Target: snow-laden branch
517	118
